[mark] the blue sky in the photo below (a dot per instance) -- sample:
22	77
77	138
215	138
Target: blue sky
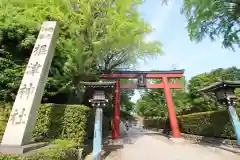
179	51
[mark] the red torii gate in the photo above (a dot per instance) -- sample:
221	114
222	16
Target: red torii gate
142	77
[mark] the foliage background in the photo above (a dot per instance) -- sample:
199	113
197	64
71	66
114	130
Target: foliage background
95	36
188	99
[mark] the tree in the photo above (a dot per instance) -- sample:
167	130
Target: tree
95	35
125	97
207	101
147	108
213	18
125	101
152	102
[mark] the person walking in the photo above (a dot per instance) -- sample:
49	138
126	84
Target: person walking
167	127
127	125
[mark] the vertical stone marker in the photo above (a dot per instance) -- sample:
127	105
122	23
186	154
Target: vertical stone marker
22	119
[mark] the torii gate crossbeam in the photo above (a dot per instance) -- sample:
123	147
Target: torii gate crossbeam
142	77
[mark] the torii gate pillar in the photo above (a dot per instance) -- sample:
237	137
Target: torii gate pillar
116	114
171	110
142	77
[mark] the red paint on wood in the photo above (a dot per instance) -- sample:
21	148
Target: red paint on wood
167	91
118	76
172	75
126	76
171	110
116	117
148	85
161	85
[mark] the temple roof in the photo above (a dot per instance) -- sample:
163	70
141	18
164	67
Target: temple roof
222	84
99	84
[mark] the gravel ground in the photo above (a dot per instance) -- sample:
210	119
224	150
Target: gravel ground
147	145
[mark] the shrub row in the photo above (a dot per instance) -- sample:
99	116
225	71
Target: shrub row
209	124
108	112
60	150
55	121
70	123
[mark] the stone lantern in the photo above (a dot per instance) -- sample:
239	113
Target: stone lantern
99	91
224	92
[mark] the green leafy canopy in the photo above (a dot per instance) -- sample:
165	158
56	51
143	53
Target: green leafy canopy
217	19
94	35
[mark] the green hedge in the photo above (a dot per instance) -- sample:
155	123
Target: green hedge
55	121
70	123
108	111
209	124
60	150
90	124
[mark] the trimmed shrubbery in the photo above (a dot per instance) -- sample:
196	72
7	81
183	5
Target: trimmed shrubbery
59	121
108	112
209	124
62	122
60	150
55	122
70	123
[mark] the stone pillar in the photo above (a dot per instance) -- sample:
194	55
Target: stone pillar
22	119
97	141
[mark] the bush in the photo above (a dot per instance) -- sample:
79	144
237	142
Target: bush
90	123
61	150
9	157
209	124
69	122
62	122
5	110
108	111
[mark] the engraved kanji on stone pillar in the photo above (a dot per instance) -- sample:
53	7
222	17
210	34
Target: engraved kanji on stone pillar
22	119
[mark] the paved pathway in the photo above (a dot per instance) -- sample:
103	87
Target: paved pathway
146	145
